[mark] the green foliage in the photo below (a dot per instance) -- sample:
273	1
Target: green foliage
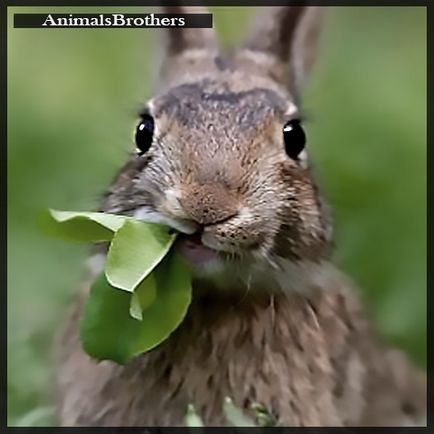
234	416
108	331
129	310
40	416
136	249
263	416
89	227
72	102
192	419
143	296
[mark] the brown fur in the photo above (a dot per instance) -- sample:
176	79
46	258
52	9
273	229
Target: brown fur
278	324
313	361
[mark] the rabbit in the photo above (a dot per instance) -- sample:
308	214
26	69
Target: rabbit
222	159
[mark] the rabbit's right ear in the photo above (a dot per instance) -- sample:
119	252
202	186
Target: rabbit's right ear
283	42
185	48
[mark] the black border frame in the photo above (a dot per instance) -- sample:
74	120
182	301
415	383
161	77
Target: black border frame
3	237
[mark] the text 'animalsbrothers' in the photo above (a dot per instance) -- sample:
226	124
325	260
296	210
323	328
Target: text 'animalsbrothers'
113	20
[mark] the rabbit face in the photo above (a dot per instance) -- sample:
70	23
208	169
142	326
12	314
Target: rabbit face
219	169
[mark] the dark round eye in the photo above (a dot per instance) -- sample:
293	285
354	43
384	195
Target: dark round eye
144	134
294	138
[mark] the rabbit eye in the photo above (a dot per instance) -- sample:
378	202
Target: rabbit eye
294	138
144	134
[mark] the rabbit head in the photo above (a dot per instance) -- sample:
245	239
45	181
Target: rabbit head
222	151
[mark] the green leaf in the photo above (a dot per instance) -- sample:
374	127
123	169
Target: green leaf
263	416
192	419
80	226
136	249
40	416
234	415
142	297
107	331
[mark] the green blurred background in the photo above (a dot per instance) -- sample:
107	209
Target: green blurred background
72	102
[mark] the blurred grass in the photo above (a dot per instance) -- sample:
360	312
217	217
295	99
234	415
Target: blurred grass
72	101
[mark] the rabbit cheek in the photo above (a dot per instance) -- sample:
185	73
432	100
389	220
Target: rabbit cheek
300	236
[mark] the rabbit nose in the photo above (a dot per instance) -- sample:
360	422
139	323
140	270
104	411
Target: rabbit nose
208	204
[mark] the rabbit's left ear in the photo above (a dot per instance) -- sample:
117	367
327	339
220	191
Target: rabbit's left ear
185	49
180	40
283	43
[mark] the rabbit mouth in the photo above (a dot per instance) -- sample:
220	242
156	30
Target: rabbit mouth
195	252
